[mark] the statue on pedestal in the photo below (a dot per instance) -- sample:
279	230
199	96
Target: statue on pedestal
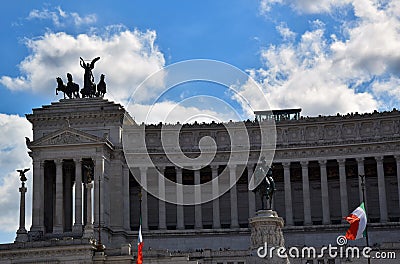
267	187
22	234
71	89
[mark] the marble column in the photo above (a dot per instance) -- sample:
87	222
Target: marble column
326	218
360	169
99	197
288	194
89	230
215	192
197	196
22	234
306	193
252	196
37	196
23	191
162	221
77	228
41	215
398	176
343	187
143	180
180	223
59	210
233	196
125	195
381	190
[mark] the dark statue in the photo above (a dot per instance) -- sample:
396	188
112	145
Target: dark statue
265	188
22	175
89	173
71	89
101	86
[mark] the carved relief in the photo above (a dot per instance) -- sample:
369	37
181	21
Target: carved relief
66	138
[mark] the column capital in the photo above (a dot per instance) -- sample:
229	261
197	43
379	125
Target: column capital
58	161
360	159
322	162
304	163
397	157
39	162
178	170
196	168
379	159
214	167
98	159
36	160
341	162
143	169
286	165
232	166
77	160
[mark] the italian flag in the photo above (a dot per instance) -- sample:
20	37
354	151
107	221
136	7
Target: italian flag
358	223
140	246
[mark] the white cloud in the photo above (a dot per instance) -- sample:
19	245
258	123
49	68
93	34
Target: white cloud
329	75
266	5
305	6
172	112
285	32
60	17
13	156
388	91
127	58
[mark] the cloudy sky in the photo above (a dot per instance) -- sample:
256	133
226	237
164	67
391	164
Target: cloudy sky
326	57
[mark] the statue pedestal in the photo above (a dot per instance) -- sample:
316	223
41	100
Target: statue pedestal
22	235
267	238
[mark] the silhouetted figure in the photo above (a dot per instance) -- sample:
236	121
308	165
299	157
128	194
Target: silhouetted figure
101	86
89	87
72	88
22	175
265	188
61	87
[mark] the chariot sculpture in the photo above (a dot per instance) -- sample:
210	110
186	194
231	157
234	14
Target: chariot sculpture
71	89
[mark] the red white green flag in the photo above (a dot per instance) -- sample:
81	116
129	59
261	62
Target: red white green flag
139	259
358	223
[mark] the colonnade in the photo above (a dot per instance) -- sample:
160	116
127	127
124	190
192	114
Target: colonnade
86	180
288	195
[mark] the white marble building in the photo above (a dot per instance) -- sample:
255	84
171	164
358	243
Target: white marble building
316	166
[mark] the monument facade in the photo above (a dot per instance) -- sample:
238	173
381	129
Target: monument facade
84	190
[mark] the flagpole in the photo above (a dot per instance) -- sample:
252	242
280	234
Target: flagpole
140	220
140	205
366	211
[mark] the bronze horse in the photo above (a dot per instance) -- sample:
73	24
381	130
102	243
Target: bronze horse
71	89
101	86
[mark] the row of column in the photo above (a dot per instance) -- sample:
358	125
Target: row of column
343	189
198	209
59	210
287	194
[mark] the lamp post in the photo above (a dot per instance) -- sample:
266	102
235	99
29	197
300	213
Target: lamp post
22	234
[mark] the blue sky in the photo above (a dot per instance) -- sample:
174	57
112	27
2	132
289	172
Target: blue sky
327	57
